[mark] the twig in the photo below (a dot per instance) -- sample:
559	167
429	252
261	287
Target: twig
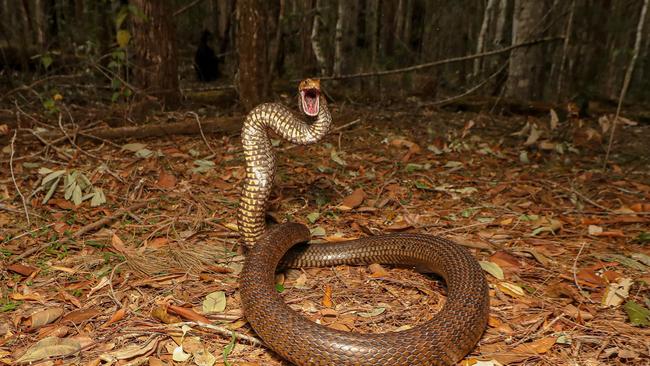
225	332
628	78
574	269
13	178
439	62
27	232
342	127
186	7
198	122
99	223
470	90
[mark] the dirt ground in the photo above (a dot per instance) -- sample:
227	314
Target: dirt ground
564	244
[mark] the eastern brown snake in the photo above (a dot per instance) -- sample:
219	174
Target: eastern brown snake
443	340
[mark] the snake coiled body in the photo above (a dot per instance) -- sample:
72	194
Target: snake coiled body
443	340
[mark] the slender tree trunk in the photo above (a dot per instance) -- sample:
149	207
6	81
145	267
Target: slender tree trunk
338	37
481	35
501	26
408	21
156	61
315	39
277	41
372	17
526	64
561	93
399	18
39	17
254	79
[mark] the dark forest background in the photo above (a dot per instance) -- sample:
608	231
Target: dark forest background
145	47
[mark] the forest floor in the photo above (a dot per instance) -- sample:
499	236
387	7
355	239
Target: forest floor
565	246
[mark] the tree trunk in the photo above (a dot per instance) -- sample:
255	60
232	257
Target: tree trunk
526	64
372	17
338	37
315	41
252	50
39	17
276	46
560	93
399	19
406	31
481	36
156	63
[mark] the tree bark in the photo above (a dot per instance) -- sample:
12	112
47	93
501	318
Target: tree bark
156	59
565	50
338	38
481	36
252	49
315	41
277	41
408	21
526	64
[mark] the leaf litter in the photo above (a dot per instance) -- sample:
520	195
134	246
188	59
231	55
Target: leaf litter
564	246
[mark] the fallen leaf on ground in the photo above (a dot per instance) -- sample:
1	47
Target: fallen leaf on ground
354	200
116	317
377	270
166	180
214	302
188	314
52	347
47	316
493	269
327	296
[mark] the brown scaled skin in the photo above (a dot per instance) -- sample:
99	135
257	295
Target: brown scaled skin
443	340
260	158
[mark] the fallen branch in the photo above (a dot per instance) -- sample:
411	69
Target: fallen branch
98	224
439	62
628	78
13	178
222	125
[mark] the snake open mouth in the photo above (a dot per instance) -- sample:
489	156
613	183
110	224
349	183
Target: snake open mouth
310	101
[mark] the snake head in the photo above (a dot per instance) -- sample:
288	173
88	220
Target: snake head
309	90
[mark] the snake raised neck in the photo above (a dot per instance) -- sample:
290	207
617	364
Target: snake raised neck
443	340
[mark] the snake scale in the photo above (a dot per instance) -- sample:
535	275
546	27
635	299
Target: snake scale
443	340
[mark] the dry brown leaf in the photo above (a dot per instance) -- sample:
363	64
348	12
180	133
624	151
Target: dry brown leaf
61	203
53	346
43	317
21	269
30	296
166	180
327	296
506	261
118	244
160	313
377	270
399	226
188	314
71	299
590	276
339	326
116	317
526	350
157	243
79	316
577	314
354	200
